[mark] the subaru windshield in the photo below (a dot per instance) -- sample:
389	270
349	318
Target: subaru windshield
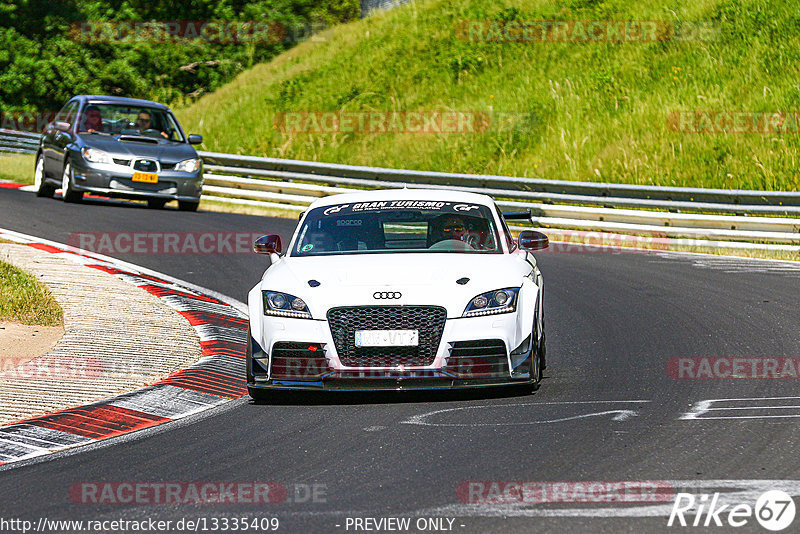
397	226
139	121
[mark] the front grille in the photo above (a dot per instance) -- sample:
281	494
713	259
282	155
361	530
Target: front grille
485	358
298	361
120	161
428	320
145	165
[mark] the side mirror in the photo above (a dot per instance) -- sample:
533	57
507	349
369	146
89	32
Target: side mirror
195	139
531	240
61	125
522	215
267	244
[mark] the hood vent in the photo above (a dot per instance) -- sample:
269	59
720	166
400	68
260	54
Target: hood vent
462	281
137	139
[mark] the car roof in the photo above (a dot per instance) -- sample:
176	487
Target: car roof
404	194
119	100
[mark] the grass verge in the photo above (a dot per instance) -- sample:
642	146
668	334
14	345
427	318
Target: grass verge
17	167
246	209
25	300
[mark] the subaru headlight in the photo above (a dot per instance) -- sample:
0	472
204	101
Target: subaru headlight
284	305
94	155
188	165
492	302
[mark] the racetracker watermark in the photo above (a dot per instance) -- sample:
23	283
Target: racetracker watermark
385	122
314	368
228	492
239	523
585	31
580	241
516	491
704	368
165	242
179	31
731	121
50	367
26	121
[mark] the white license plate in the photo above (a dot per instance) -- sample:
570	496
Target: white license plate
387	338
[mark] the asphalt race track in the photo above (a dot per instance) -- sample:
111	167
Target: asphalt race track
607	410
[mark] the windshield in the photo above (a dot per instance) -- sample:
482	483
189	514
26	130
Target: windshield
397	226
140	121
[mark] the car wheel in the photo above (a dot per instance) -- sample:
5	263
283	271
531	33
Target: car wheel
156	203
43	189
68	194
188	205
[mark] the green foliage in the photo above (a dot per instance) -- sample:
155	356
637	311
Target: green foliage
43	60
578	110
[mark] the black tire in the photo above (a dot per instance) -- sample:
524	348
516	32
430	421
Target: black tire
537	363
68	194
543	352
43	188
536	371
155	203
188	205
258	395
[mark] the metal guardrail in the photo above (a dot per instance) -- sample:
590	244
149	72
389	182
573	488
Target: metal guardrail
558	187
679	212
13	141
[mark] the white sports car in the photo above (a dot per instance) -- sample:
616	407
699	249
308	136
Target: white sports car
398	289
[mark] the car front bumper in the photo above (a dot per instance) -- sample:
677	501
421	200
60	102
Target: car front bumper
117	181
472	353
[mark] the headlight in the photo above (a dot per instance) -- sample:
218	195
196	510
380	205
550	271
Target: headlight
93	155
497	301
285	305
188	165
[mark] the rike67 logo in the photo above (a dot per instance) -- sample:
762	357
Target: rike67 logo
774	510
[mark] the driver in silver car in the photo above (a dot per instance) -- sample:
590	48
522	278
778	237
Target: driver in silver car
144	123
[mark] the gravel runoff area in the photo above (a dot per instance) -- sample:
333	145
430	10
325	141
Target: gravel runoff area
117	338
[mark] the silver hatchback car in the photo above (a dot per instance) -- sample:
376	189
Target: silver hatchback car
119	147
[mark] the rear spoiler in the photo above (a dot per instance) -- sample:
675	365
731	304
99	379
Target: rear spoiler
522	215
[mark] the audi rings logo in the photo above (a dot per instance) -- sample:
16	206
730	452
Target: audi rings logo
387	295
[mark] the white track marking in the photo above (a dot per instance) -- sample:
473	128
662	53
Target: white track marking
729	264
701	408
619	415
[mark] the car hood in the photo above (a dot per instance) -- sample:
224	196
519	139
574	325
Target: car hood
421	279
168	152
